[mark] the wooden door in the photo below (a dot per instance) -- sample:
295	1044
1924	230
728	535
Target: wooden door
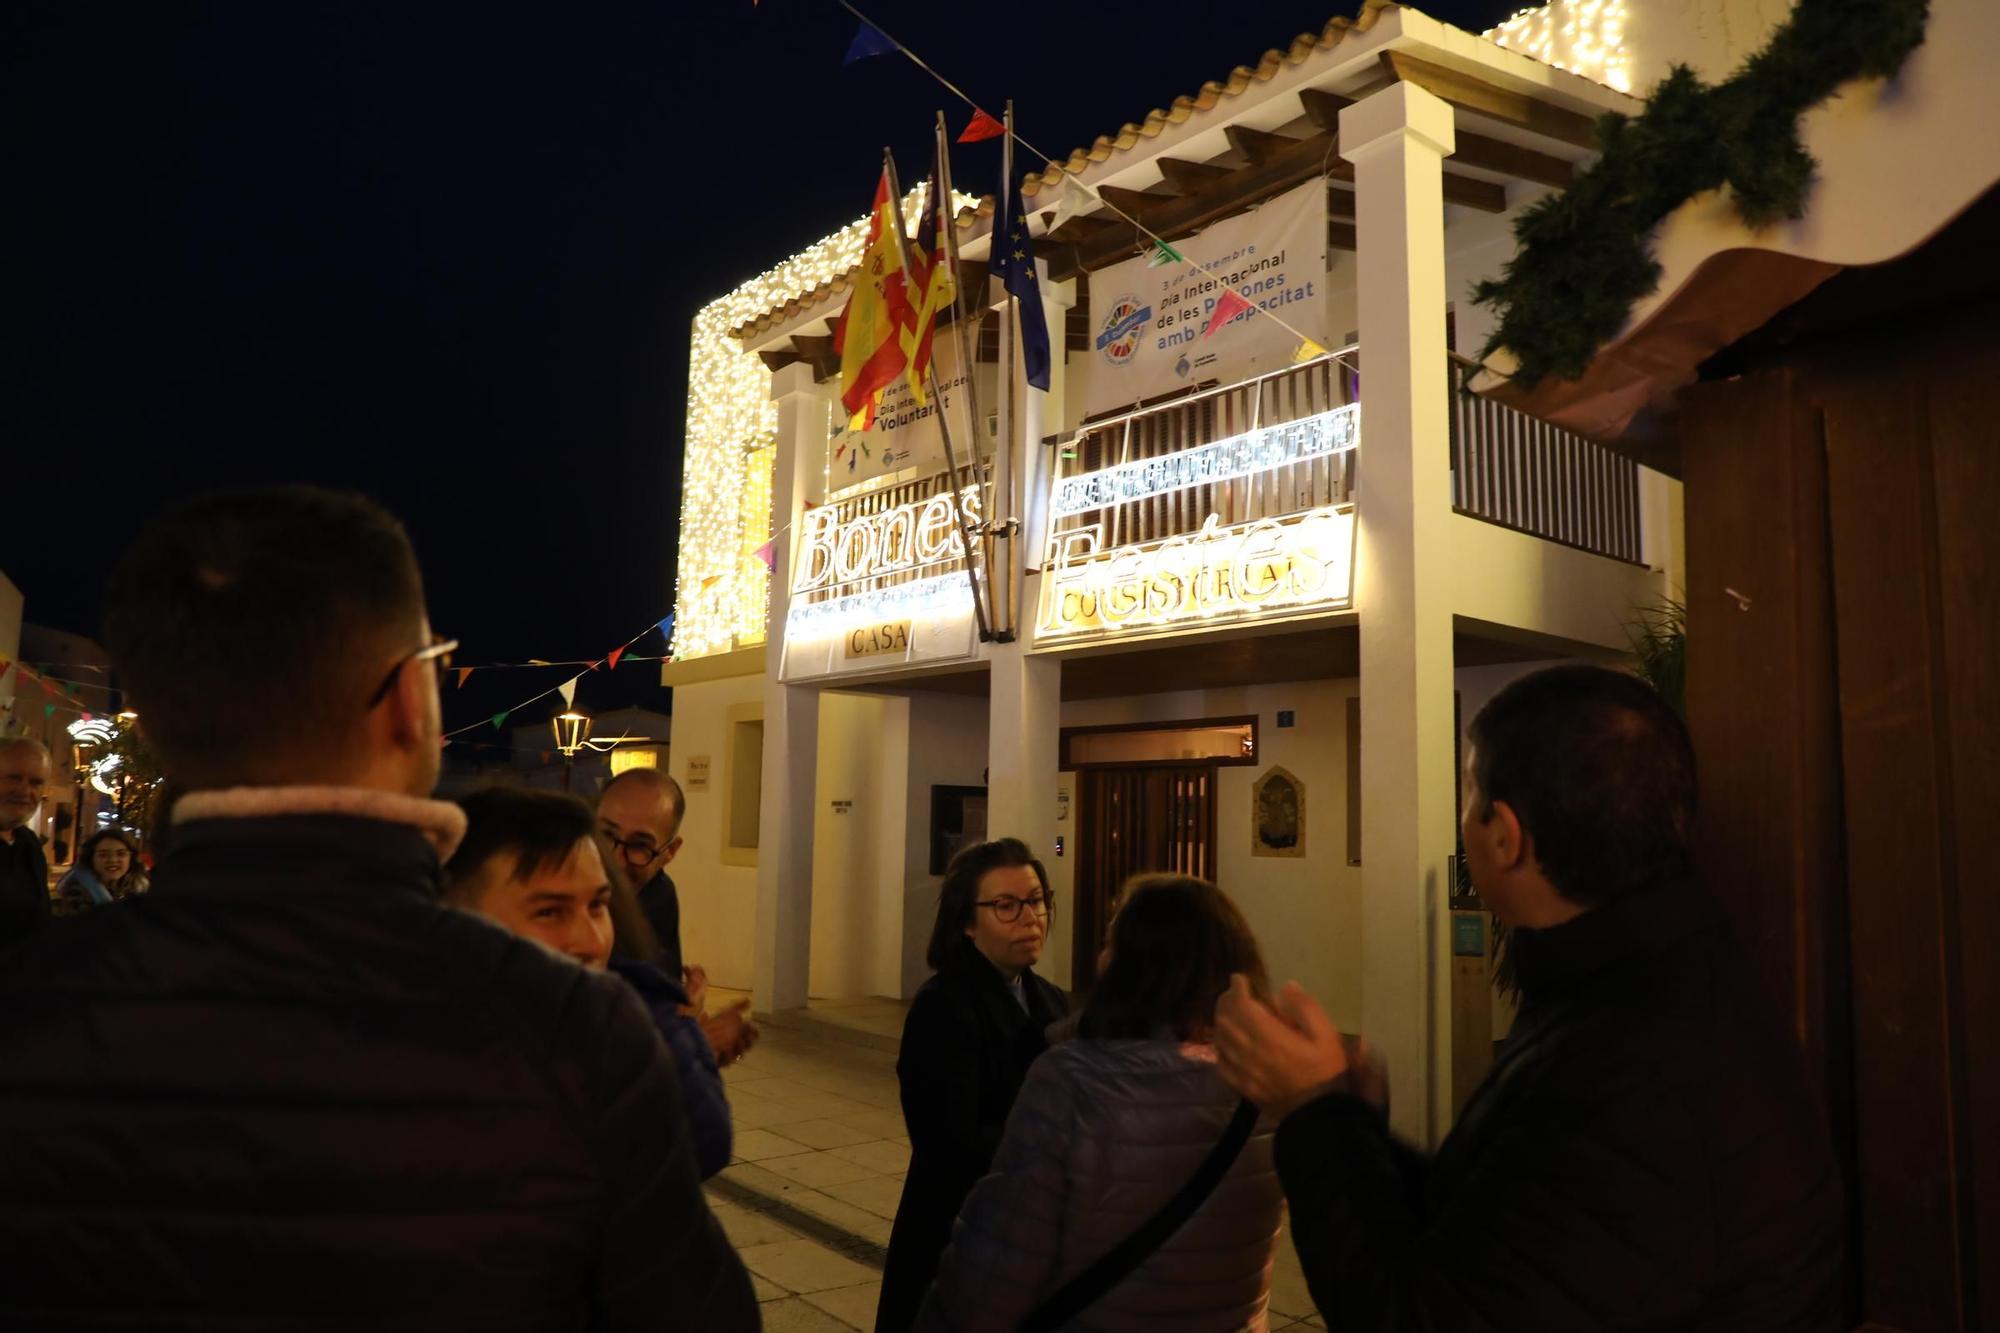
1844	692
1136	819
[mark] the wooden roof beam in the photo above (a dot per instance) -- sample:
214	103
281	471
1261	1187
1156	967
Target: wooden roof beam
1474	150
1469	92
1257	146
1186	177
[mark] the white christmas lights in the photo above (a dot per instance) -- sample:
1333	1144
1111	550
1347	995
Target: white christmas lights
723	595
1585	37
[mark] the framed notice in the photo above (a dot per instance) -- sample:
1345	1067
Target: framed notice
1278	814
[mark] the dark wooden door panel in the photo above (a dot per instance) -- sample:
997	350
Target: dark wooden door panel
1136	820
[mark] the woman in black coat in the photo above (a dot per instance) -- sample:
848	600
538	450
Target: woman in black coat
971	1034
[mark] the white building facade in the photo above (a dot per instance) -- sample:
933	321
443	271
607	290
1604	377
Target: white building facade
1242	589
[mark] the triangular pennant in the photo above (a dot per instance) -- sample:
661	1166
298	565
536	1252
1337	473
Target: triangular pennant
1229	307
869	40
1306	351
568	691
667	627
1071	200
464	674
500	718
768	554
981	126
710	582
1164	254
611	658
48	710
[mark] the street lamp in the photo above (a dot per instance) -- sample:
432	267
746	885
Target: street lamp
572	734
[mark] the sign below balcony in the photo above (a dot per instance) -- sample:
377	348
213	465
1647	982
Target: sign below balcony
926	620
1216	575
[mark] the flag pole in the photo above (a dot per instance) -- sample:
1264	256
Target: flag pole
964	336
1005	453
944	428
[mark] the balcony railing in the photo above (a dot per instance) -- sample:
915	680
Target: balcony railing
1521	472
1288	395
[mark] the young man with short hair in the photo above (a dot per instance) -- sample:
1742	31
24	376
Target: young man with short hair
530	864
290	1086
1647	1153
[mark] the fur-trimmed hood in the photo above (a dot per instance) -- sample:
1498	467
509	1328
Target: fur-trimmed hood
441	822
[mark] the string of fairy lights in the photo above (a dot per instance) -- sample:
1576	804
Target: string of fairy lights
1585	37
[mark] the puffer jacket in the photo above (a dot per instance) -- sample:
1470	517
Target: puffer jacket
1103	1135
290	1089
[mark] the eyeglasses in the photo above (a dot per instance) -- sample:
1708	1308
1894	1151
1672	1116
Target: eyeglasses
1008	910
636	852
441	651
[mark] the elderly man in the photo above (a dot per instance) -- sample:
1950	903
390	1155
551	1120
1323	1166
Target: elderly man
1647	1154
639	815
24	872
294	1087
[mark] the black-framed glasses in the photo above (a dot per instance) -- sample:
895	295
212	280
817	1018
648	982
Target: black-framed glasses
645	849
1007	909
441	651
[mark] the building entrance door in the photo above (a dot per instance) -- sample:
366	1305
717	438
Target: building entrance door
1136	818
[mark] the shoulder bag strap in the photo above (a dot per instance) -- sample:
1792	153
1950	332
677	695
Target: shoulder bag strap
1083	1290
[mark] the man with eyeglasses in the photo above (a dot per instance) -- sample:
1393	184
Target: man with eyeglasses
291	1086
639	816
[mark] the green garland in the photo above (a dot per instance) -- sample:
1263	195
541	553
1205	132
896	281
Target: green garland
1584	260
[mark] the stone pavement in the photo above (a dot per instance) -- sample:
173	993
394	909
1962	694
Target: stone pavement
820	1157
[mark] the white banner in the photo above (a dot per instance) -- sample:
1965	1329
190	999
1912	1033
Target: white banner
1147	322
904	437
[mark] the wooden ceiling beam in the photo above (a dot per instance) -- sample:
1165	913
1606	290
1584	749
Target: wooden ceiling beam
1133	203
1186	177
1257	146
1468	92
1323	108
1476	150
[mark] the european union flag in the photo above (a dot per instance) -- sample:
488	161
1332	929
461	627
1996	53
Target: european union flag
1013	262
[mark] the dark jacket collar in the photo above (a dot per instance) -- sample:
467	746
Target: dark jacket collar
298	855
975	970
1615	935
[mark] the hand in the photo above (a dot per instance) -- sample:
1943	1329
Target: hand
1280	1059
730	1032
694	980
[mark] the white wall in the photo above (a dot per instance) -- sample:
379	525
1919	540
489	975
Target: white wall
947	748
1306	912
718	902
858	826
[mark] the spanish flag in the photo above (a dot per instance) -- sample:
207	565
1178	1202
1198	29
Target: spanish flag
868	335
935	286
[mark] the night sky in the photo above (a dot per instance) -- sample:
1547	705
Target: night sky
448	255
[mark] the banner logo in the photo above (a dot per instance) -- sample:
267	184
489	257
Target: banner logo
1119	336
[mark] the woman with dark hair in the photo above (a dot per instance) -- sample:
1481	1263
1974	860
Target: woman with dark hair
971	1033
107	868
1133	1189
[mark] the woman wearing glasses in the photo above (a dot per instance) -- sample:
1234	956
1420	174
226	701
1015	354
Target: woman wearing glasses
972	1031
1133	1190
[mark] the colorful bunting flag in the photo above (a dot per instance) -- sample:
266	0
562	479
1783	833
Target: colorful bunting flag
1071	200
500	718
1306	351
868	334
667	627
568	691
613	656
981	126
48	710
464	674
1231	304
1164	254
869	40
768	551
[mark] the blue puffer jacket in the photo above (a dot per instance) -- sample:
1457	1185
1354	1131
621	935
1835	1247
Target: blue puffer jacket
1103	1134
701	1081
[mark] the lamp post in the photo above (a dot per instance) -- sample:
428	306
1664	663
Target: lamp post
572	733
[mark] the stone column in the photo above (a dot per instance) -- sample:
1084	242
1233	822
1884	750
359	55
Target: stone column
1397	140
791	716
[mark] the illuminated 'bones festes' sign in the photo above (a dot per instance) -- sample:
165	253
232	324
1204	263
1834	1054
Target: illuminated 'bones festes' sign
1225	460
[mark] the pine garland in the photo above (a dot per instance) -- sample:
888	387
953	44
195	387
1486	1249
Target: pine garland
1584	258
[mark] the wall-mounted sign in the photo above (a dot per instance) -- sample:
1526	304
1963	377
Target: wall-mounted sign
1149	340
697	772
1216	574
935	615
903	437
906	539
890	636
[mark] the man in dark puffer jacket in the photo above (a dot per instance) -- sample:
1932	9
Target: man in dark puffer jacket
289	1088
1647	1153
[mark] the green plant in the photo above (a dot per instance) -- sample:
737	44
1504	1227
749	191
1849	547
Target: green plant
1584	259
1659	644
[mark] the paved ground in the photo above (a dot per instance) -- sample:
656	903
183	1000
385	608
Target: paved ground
819	1165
